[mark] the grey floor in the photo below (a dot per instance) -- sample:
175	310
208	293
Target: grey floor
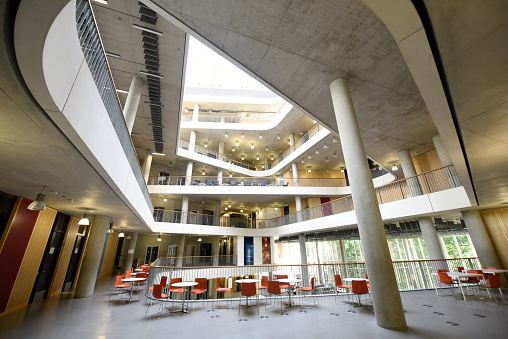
428	316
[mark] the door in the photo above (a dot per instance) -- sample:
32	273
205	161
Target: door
172	255
50	258
327	208
152	253
70	276
205	254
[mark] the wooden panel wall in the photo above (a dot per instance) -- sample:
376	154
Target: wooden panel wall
496	222
108	260
64	258
29	267
426	162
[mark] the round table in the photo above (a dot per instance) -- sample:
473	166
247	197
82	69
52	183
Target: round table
133	281
359	279
289	281
138	269
185	284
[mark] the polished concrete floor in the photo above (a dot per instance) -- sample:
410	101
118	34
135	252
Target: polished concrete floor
428	316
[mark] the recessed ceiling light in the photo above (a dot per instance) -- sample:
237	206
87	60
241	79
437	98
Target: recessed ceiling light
242	137
394	168
237	144
278	137
226	135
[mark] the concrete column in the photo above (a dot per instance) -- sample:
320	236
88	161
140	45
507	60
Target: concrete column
192	140
185	209
180	251
129	256
298	204
385	293
92	258
291	139
239	250
258	250
409	170
188	173
273	250
216	217
221	150
219	176
295	174
132	102
480	239
431	239
147	164
215	251
303	260
195	113
342	251
441	151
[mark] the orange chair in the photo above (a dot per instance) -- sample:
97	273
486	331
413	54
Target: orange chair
359	287
274	289
159	296
200	288
128	274
460	269
264	283
163	283
339	285
220	289
494	282
444	278
248	290
283	286
119	284
310	290
367	277
176	290
443	270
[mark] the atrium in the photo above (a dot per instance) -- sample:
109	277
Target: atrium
302	138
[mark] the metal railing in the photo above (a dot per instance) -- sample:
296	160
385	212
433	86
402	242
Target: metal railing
199	261
246	181
93	52
411	275
434	181
229	119
255	167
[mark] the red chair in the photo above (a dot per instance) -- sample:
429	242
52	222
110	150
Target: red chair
283	286
128	274
310	290
219	289
444	278
367	277
200	288
248	290
460	269
119	284
274	289
264	283
494	282
158	296
163	283
339	285
359	287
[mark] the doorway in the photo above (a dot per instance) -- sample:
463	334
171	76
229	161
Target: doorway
152	253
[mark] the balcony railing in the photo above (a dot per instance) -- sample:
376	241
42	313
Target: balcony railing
238	119
411	275
434	181
247	181
94	54
199	261
254	167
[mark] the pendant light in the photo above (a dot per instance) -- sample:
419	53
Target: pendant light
84	221
38	204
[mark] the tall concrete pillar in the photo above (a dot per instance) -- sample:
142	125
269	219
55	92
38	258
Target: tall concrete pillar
431	239
185	209
219	176
342	251
216	217
385	293
298	205
180	251
192	141
129	256
147	164
215	251
303	260
92	258
441	151
221	150
480	239
294	167
291	139
239	250
188	173
195	113
409	170
132	102
257	243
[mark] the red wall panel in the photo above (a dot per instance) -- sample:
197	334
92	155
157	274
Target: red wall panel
14	248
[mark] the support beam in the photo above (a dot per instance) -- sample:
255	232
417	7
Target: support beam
409	170
129	256
147	164
431	238
132	102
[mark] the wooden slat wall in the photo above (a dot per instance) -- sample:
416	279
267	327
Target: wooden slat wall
109	256
496	222
27	273
64	258
428	161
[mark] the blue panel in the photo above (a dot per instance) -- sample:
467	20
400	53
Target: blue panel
102	255
248	251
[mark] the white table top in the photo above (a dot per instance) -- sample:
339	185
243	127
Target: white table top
460	274
289	280
494	271
240	281
138	269
133	279
351	279
185	284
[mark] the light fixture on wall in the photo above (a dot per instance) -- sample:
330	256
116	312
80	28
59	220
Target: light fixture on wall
278	137
38	204
334	140
242	136
199	239
84	221
206	145
325	147
121	235
237	144
257	157
394	168
252	146
165	199
159	237
110	228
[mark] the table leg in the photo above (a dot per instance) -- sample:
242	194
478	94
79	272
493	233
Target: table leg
461	289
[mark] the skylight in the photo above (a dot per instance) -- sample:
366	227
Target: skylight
209	77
